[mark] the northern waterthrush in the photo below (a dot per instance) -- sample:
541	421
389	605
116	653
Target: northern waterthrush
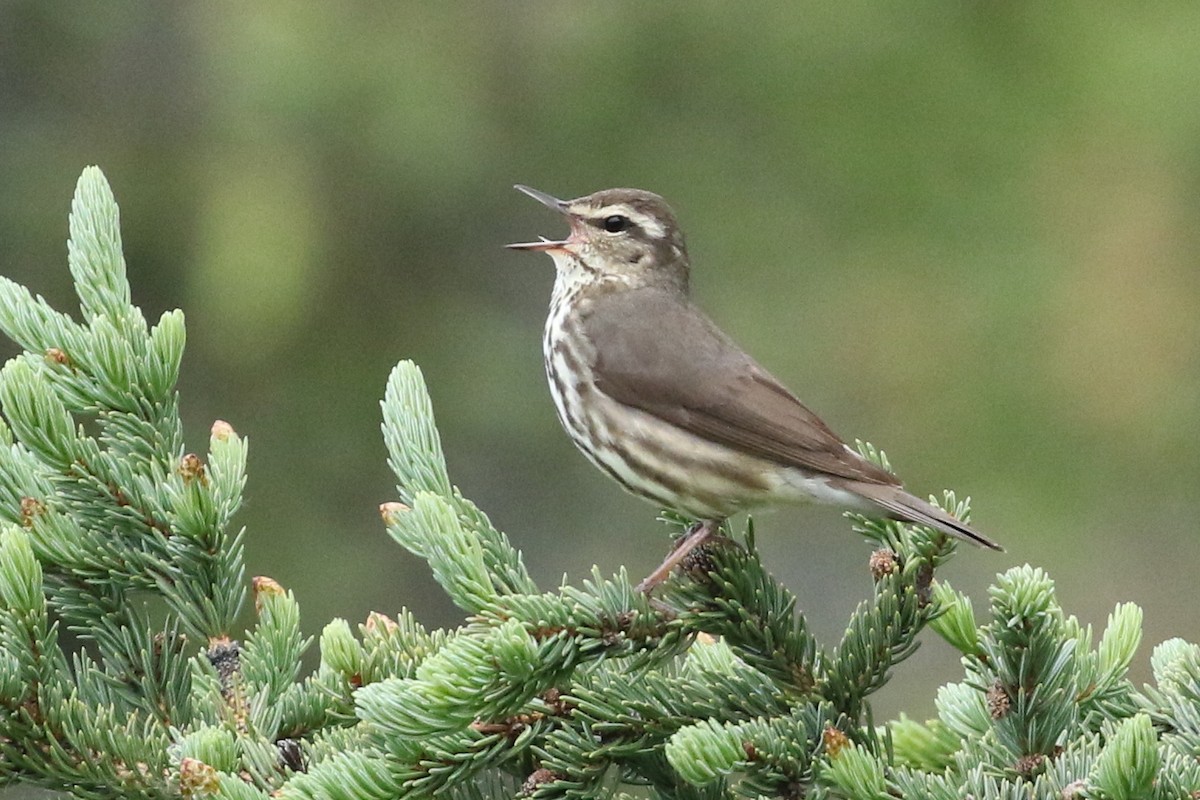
665	403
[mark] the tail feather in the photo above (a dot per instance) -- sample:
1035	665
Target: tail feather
903	506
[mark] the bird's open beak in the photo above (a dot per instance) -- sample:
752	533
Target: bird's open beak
549	201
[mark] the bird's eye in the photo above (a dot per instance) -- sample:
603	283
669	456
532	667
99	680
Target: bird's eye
616	223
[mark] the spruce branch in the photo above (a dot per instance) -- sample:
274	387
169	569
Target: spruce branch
733	597
1129	762
415	456
111	530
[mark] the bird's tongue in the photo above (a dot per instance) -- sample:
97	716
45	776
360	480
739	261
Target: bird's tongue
543	245
578	236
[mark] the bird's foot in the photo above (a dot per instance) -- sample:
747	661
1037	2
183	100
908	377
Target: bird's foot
696	535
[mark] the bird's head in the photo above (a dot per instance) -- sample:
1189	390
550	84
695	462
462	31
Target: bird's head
623	234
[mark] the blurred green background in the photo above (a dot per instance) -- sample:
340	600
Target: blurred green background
964	231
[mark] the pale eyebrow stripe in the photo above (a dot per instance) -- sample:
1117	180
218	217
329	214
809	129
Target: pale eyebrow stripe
649	224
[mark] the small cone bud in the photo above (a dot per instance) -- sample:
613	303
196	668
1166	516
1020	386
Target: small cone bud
56	356
265	587
197	779
998	702
882	563
191	468
380	622
835	741
389	511
536	779
1030	766
31	509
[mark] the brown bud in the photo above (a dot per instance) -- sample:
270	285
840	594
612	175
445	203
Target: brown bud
389	511
536	779
1031	765
882	563
556	704
264	587
197	779
31	509
924	584
835	741
701	562
191	468
998	701
55	355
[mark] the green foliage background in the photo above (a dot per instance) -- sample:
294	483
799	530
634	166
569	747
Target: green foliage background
964	231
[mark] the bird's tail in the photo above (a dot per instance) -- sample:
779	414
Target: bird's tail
903	506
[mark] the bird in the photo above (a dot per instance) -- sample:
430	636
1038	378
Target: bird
664	402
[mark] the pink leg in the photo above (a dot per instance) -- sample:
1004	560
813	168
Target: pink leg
697	535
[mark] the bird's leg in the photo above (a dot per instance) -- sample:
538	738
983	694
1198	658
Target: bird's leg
696	535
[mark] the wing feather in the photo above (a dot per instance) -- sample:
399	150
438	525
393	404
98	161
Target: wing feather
710	386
